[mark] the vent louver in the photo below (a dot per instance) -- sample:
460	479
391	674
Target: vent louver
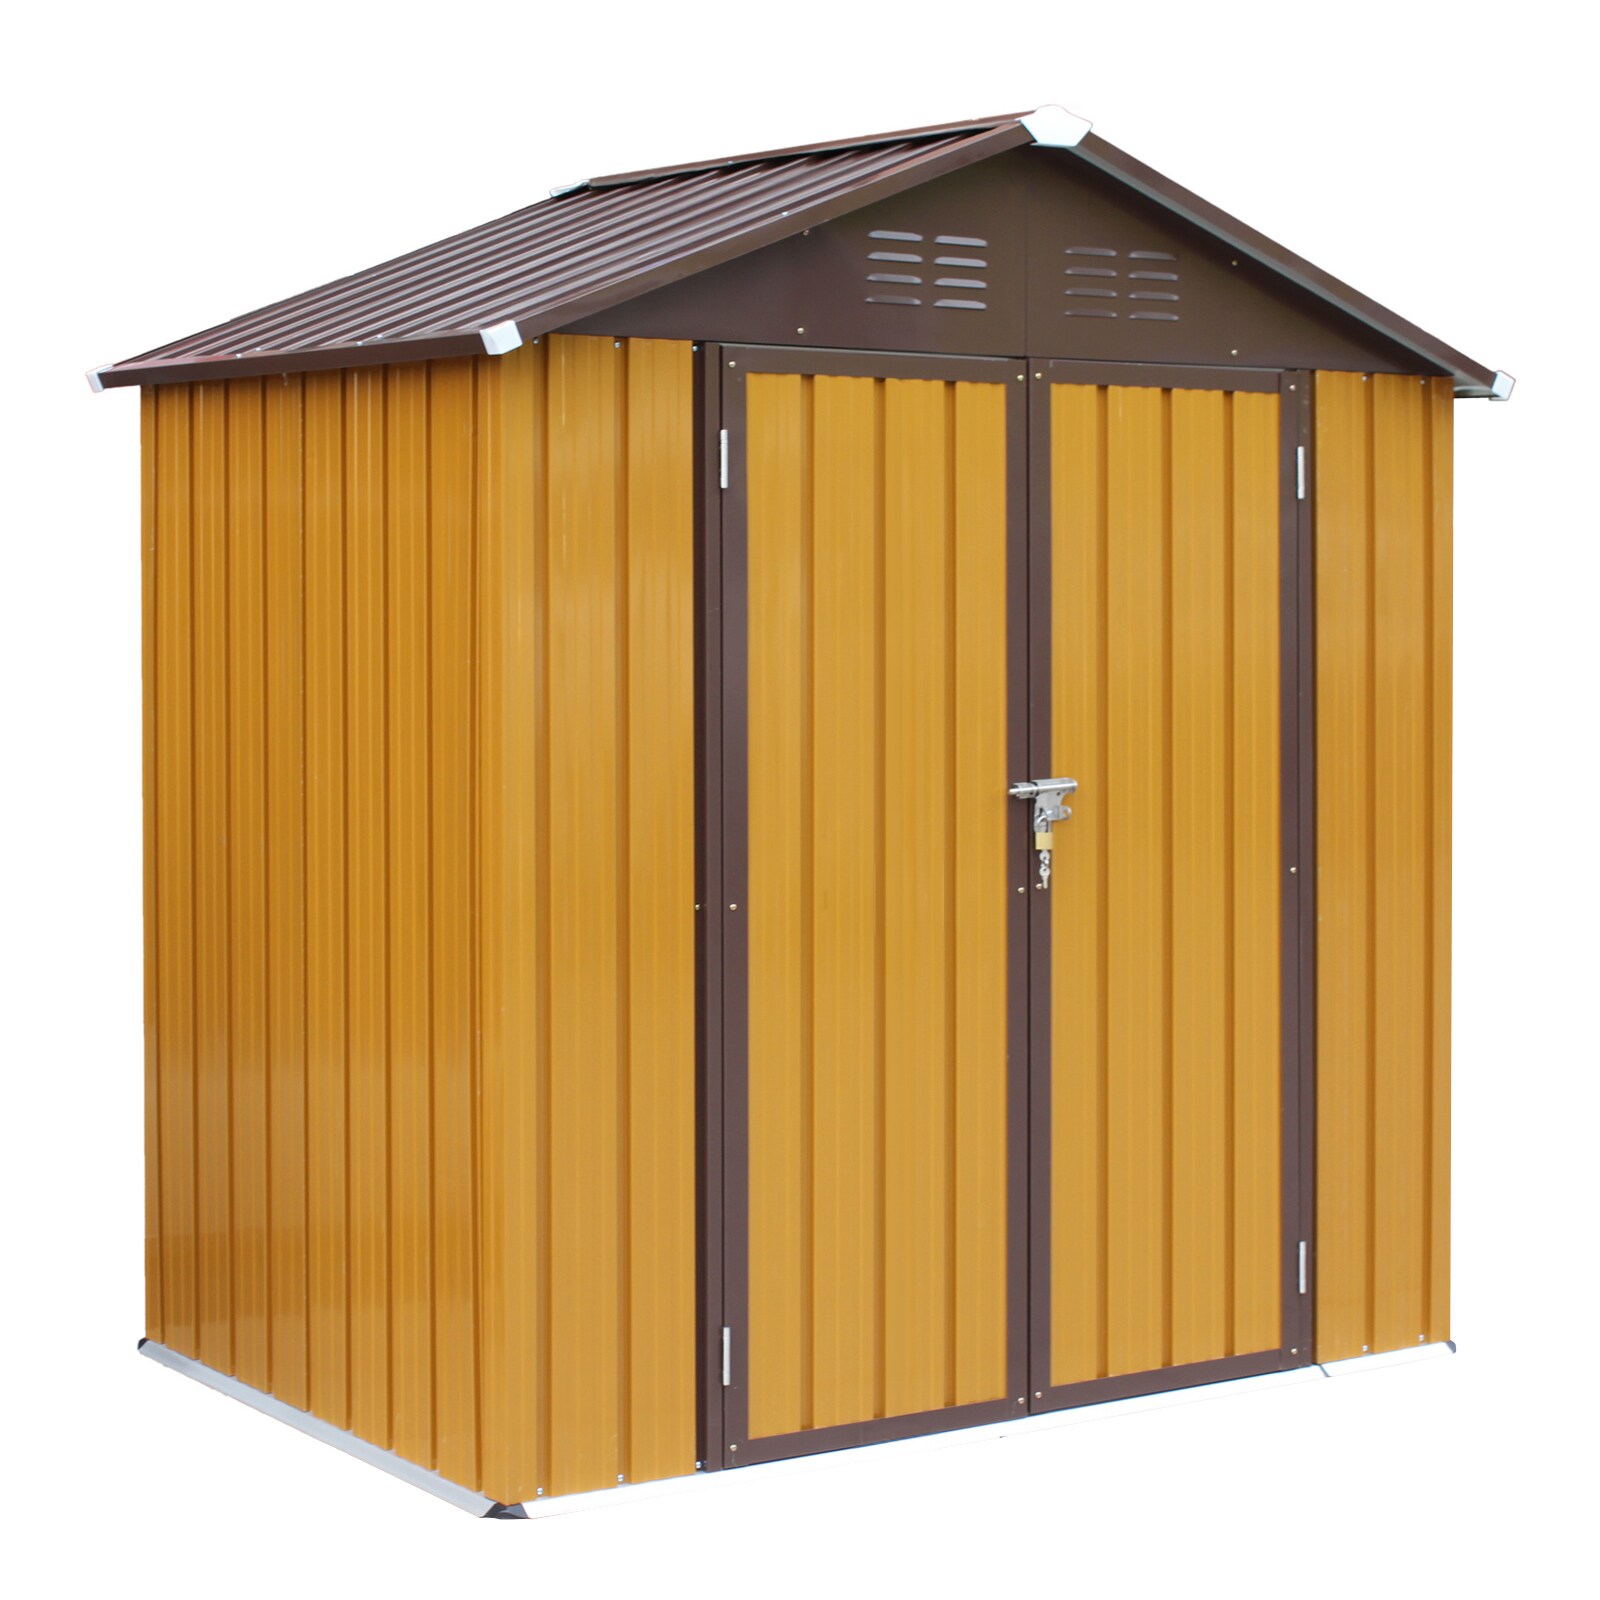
1144	283
940	269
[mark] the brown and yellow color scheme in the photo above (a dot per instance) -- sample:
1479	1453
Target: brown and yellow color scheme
878	942
1383	540
1165	1201
611	678
419	837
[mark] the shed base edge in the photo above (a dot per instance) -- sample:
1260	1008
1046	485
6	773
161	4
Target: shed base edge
480	1505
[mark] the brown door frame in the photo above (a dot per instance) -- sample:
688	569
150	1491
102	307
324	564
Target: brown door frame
1297	876
724	827
721	844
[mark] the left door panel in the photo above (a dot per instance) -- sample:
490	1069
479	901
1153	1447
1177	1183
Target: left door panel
872	550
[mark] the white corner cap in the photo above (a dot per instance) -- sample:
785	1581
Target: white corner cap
1501	388
1055	126
93	375
503	336
568	188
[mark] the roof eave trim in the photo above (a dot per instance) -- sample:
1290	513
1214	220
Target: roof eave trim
1471	379
220	368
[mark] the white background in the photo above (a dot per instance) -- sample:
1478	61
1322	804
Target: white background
171	165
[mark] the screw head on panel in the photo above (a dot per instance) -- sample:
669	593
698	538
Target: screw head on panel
799	330
733	1447
1294	1352
1021	1401
733	363
622	1477
733	908
1038	1394
1364	1347
538	1491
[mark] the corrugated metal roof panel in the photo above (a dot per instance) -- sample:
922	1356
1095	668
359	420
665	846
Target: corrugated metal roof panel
562	258
612	239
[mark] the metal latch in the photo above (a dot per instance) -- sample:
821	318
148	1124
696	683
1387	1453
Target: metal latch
1047	812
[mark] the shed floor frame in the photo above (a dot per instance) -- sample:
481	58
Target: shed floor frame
722	836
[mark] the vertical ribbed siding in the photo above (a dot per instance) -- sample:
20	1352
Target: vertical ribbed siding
1165	938
419	933
1383	520
877	915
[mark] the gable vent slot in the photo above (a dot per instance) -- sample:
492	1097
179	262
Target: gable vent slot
882	265
1137	277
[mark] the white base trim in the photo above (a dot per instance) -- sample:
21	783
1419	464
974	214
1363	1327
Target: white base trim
1386	1358
339	1438
711	1482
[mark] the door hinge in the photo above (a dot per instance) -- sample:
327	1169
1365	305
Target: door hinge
723	475
727	1357
1299	471
1302	1266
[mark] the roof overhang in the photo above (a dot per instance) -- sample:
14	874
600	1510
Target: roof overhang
669	223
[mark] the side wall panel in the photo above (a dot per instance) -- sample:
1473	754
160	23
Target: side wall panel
1383	509
420	903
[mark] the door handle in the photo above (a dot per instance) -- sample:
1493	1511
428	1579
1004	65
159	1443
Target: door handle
1048	810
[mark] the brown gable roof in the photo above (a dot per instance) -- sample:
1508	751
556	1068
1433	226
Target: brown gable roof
611	239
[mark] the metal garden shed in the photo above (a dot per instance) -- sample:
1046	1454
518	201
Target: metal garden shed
627	991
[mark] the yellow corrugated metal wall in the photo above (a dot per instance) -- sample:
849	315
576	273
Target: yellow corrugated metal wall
419	927
1165	1209
1383	533
878	897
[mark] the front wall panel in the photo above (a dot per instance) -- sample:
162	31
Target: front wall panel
1166	976
1383	503
878	950
419	934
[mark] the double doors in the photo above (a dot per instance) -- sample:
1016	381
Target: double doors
1000	1136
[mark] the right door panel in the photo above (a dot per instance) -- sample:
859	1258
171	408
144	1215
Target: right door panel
1162	1241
